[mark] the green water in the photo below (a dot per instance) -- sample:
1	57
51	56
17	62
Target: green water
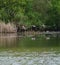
29	43
29	50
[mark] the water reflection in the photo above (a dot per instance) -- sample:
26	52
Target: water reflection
14	40
8	40
53	40
38	41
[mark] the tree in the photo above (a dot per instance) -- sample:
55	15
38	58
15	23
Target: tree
11	10
53	19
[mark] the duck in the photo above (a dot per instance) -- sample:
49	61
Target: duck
47	38
33	38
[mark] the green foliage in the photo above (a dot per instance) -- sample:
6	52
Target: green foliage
31	12
19	11
53	19
11	10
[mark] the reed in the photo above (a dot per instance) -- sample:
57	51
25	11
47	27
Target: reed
7	28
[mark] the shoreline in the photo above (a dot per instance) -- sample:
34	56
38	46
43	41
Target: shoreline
32	32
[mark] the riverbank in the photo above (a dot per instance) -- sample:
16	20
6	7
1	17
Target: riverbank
38	32
32	32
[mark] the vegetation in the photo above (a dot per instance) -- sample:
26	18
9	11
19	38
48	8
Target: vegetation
31	12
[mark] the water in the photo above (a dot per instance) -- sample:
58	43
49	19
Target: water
29	50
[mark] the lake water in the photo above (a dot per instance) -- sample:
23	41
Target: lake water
29	50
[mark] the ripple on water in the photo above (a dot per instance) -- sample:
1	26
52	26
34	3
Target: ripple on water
27	58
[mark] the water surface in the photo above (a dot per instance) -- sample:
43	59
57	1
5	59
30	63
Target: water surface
29	50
